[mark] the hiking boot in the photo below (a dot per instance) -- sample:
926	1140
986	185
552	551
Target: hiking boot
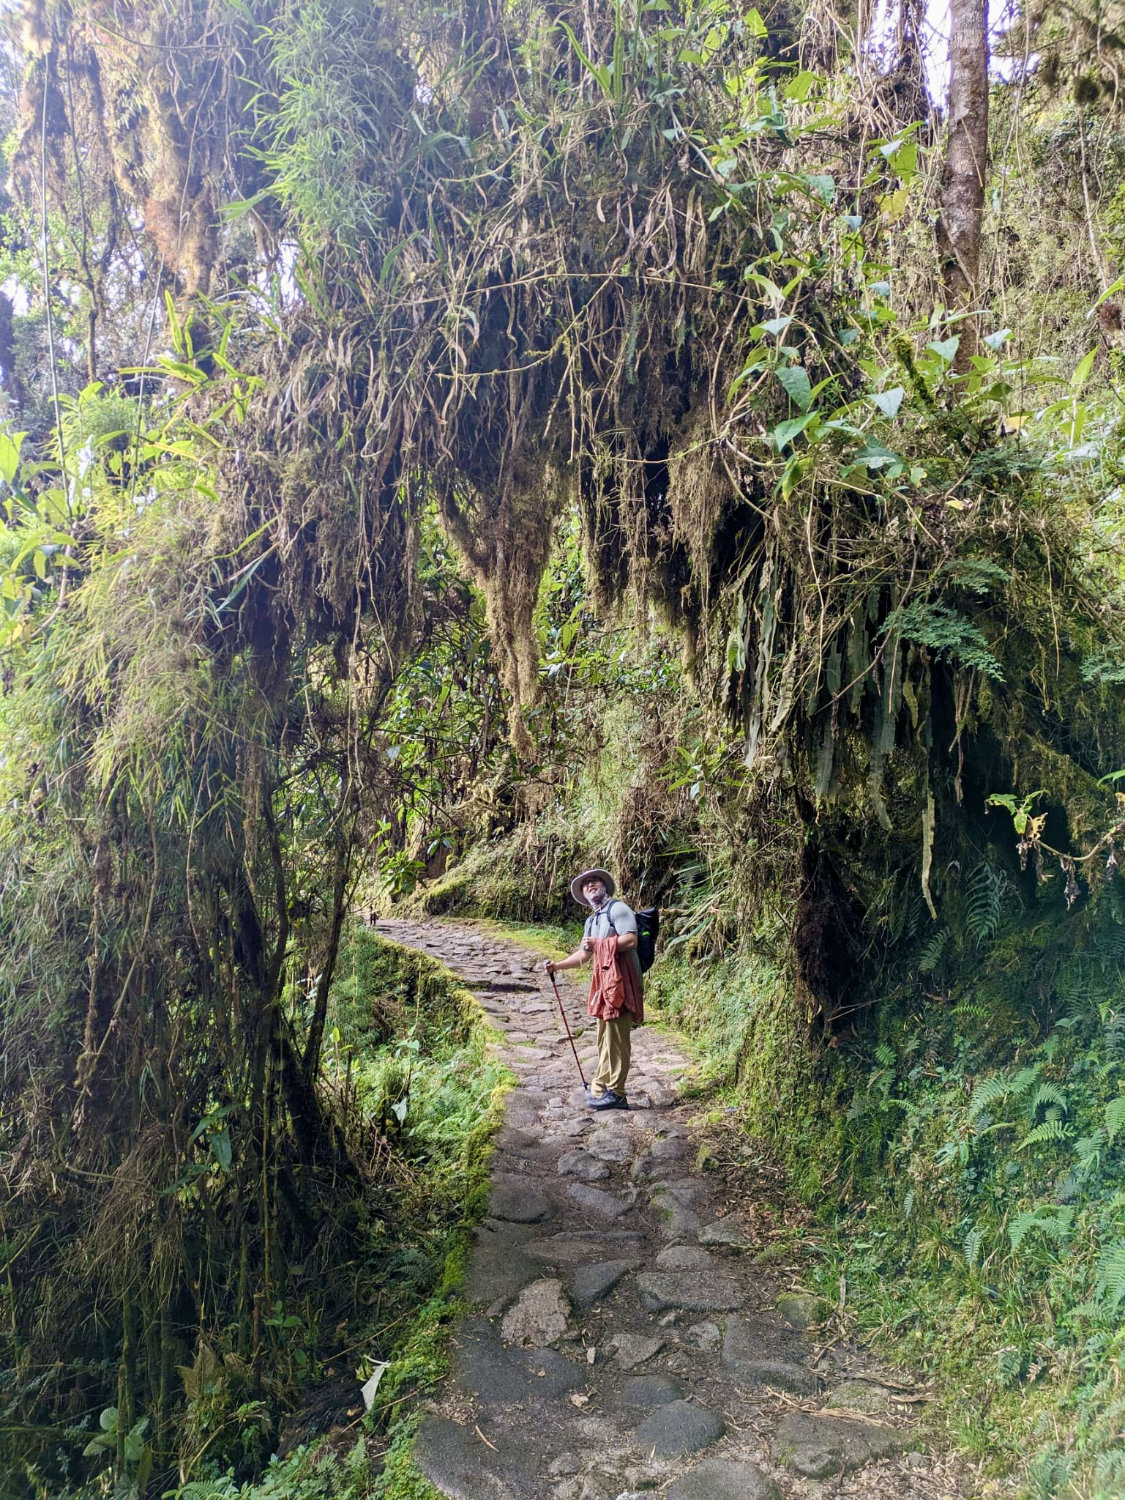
609	1100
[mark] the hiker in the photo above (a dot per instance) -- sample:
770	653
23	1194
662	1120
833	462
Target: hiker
616	988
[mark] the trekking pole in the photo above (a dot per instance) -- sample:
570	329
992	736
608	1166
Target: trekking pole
569	1034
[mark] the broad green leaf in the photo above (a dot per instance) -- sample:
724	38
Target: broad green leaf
996	340
754	24
797	385
905	160
221	1148
823	185
1081	374
946	349
776	326
785	432
888	402
799	88
10	443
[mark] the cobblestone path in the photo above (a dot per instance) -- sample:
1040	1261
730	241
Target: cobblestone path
624	1341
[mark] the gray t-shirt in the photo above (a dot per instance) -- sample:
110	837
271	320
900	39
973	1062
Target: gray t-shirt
614	916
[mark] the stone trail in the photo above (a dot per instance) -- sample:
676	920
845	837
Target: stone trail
623	1343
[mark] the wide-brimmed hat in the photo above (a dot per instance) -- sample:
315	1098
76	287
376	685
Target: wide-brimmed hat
580	880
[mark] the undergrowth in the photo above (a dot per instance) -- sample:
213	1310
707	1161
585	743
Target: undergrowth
963	1151
406	1051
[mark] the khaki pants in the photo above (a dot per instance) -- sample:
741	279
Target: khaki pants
615	1049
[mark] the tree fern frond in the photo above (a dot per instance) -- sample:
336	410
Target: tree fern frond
934	951
1111	1274
988	1093
983	891
1046	1093
1050	1130
1053	1220
1114	1118
972	1246
1025	1078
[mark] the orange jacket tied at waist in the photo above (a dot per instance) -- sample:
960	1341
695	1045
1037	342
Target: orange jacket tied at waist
615	987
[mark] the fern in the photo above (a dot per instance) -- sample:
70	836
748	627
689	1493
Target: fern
1054	1221
934	951
1114	1118
983	891
1088	1152
949	636
990	1091
1113	1036
1046	1093
885	1056
1111	1275
974	1009
973	1242
1050	1130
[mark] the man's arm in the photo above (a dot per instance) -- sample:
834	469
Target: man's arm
573	960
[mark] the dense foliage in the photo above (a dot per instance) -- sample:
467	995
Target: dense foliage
448	443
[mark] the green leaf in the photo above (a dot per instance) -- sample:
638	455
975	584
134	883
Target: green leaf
904	162
797	385
823	186
888	402
1114	1118
221	1148
785	432
754	24
995	341
776	326
799	88
1081	374
946	349
10	444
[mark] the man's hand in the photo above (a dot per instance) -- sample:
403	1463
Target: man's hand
587	945
548	965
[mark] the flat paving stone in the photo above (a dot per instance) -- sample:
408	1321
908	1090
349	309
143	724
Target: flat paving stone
633	1349
688	1192
580	1246
727	1232
679	1427
499	1267
539	1317
518	1203
676	1221
601	1204
763	1353
693	1291
684	1258
861	1395
455	1461
582	1165
707	1337
819	1447
495	1375
589	1284
723	1479
610	1145
802	1309
651	1390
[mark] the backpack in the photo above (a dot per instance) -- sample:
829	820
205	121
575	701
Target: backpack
648	930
